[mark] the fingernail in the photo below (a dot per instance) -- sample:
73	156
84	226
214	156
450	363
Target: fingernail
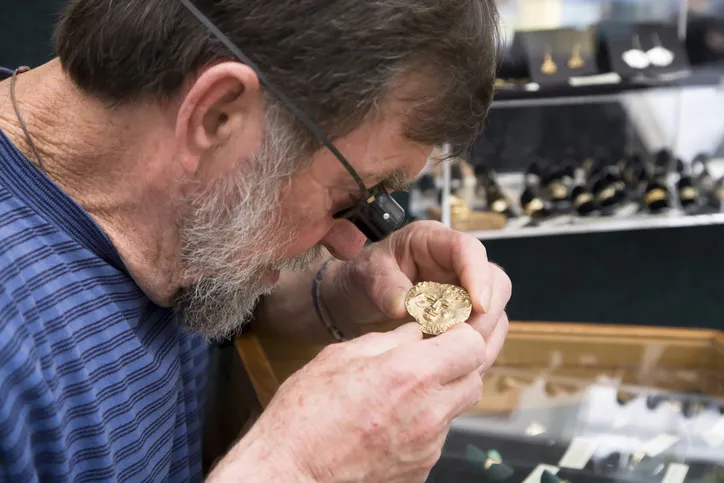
486	299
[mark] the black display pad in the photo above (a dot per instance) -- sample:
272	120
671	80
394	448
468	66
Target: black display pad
555	56
523	456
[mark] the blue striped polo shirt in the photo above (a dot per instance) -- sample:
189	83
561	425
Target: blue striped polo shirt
97	383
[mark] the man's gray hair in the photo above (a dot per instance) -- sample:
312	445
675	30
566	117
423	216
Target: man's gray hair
336	59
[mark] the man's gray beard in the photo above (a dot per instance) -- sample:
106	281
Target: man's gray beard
218	308
229	246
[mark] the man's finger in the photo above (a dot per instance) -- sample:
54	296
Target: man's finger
376	343
464	393
469	260
388	290
486	323
448	356
496	341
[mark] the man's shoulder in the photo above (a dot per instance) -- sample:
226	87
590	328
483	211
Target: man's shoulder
52	285
16	215
34	252
21	229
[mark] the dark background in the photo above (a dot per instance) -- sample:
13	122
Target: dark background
651	277
669	277
25	31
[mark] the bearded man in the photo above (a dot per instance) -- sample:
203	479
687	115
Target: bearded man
157	193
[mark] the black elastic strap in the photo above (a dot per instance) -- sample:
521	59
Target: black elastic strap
298	113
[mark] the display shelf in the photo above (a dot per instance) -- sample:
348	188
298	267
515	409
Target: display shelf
578	226
532	94
600	88
629	216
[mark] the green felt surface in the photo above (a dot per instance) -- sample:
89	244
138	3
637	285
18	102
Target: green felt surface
665	277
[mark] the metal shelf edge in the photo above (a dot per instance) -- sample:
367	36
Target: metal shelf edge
604	226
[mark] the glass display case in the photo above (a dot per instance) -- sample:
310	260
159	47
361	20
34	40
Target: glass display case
587	403
591	404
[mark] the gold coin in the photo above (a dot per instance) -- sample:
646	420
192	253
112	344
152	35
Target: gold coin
438	306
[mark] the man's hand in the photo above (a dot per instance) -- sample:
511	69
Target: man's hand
371	288
377	408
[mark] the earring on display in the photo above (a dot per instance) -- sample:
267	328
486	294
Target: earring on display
576	61
548	67
490	462
659	55
635	57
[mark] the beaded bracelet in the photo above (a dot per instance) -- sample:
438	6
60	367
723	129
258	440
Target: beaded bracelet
319	306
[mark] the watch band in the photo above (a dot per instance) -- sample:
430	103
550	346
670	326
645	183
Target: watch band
319	305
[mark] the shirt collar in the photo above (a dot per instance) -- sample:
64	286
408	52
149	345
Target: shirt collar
23	179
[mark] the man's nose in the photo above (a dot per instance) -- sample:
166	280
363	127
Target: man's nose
343	240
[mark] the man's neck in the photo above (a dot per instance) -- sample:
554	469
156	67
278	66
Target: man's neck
104	158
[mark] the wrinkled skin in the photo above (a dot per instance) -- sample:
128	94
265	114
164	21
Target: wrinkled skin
386	400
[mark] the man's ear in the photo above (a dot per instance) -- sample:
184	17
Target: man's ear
225	100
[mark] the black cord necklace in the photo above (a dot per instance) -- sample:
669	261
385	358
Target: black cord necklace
24	126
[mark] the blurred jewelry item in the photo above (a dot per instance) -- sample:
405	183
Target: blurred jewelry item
657	198
495	198
535	429
492	463
673	404
554	389
635	57
659	55
576	61
719	190
691	408
624	397
549	67
654	401
548	477
464	219
715	41
506	383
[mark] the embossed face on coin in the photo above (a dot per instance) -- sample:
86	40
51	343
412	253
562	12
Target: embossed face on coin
438	306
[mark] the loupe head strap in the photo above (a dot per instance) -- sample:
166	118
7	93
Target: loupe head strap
298	113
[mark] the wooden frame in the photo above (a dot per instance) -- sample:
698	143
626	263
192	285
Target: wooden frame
666	358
